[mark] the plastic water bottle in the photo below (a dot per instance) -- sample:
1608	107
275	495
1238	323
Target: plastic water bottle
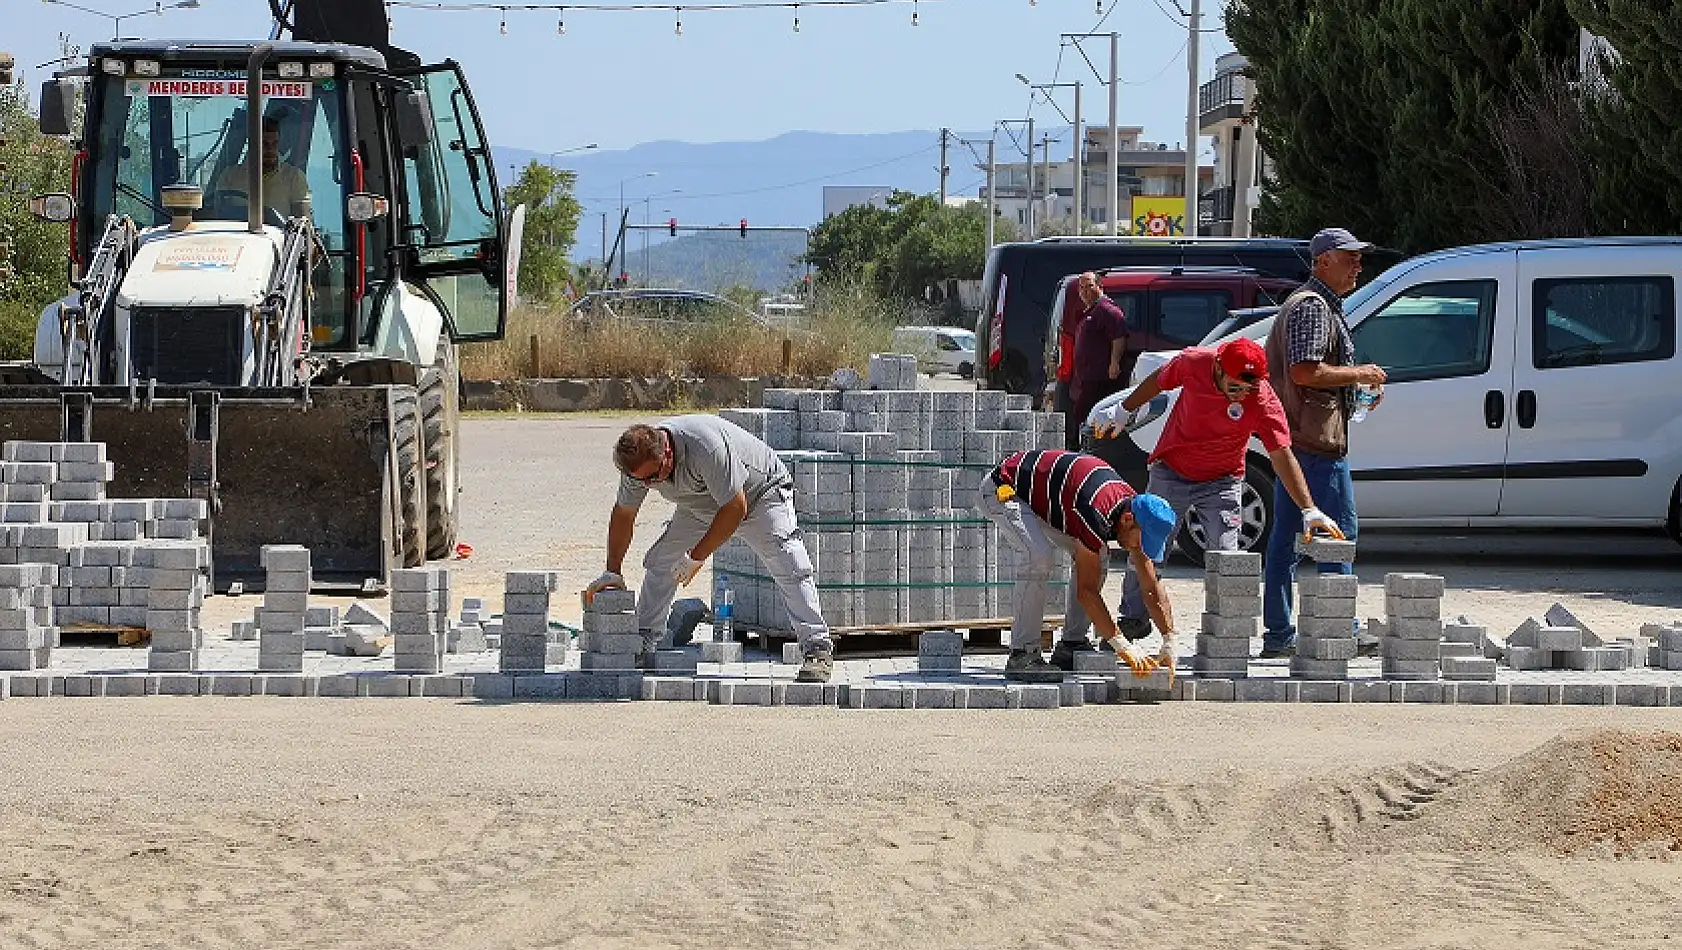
724	613
1364	398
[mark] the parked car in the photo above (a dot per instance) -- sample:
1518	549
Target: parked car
1021	279
660	306
1166	308
1531	385
938	349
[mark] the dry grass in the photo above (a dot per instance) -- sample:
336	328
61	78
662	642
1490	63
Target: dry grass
844	328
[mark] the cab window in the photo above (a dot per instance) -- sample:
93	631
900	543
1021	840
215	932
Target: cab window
1431	331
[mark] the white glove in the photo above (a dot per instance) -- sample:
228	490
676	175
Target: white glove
1165	656
1113	420
685	570
607	580
1313	520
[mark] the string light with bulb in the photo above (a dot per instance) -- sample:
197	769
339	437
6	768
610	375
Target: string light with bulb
441	6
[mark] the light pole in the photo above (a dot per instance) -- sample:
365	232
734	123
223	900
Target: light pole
647	206
117	19
569	151
1078	158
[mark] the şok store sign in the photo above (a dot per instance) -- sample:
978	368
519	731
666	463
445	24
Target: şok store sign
1159	216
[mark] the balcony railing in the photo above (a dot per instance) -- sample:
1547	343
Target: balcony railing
1221	98
1215	207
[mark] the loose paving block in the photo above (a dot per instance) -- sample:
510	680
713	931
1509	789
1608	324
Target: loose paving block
1228	605
1221	667
1036	697
1232	648
940	643
1233	563
620	623
1559	616
1303	667
159	661
1231	627
715	652
530	582
611	642
1410	608
1396	648
1328	585
1410	669
667	689
1407	585
1529	658
1324	692
1096	661
940	665
742	694
674	661
1326	648
1468	668
610	662
1338	608
1238	586
1413	628
614	600
1370	691
1259	690
1323	551
1558	638
1595	659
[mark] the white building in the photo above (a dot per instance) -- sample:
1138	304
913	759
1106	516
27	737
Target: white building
1226	112
1150	176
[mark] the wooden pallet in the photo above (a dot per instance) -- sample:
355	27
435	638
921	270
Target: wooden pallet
125	636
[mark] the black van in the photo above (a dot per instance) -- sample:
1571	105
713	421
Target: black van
1021	279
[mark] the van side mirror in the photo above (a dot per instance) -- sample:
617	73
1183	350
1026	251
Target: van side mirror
414	118
58	107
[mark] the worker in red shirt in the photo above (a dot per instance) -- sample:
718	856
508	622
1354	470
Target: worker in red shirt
1100	346
1225	400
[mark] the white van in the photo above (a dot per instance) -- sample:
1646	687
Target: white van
1531	384
938	349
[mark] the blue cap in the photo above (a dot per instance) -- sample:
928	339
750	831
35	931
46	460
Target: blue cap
1336	239
1156	521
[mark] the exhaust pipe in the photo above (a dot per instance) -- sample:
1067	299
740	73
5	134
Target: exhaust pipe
254	137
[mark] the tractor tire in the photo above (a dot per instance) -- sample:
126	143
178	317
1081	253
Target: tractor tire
440	408
409	538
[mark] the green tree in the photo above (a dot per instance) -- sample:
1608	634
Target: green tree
1380	115
903	247
33	253
1635	140
552	216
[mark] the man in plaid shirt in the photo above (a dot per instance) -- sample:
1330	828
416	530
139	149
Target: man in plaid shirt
1309	349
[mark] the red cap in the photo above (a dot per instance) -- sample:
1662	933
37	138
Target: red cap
1242	357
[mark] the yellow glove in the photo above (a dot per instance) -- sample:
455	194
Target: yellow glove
1005	493
1141	666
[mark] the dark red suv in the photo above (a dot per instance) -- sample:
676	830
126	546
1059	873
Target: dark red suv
1166	309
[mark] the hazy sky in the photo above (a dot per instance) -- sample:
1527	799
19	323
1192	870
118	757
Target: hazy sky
623	78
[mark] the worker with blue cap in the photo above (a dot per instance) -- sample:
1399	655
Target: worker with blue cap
1047	499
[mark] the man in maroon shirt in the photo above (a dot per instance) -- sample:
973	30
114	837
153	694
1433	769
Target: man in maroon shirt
1046	499
1100	344
1225	400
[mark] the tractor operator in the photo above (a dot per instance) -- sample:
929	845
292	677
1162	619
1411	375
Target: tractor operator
284	184
724	482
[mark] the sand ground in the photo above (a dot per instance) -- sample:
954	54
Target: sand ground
301	823
264	823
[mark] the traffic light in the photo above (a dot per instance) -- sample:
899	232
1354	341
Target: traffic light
7	63
744	227
672	224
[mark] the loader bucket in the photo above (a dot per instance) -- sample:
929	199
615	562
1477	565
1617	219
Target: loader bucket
288	469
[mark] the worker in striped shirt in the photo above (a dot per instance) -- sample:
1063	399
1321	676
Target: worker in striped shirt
1047	499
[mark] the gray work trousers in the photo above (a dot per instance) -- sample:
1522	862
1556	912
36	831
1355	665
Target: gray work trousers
1038	542
771	530
1217	504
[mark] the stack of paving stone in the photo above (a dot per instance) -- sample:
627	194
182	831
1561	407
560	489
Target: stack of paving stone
883	486
321	625
1467	652
286	595
27	633
468	634
420	618
1667	638
1411	643
524	628
1231	614
176	586
610	642
893	371
1559	641
1325	626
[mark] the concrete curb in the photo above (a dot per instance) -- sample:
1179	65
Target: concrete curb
575	686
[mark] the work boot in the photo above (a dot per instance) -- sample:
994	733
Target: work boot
1063	655
816	667
1274	651
1027	666
1134	628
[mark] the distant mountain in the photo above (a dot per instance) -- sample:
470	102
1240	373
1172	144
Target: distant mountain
775	182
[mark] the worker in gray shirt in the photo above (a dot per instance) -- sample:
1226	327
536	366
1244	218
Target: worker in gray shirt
724	481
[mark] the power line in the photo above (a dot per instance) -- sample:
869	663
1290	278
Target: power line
448	7
1165	67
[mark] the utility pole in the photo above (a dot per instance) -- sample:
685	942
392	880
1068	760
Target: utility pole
944	135
1030	192
1192	117
992	198
1114	187
1045	186
1080	168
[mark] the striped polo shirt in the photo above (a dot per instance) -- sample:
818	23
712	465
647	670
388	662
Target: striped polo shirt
1077	494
